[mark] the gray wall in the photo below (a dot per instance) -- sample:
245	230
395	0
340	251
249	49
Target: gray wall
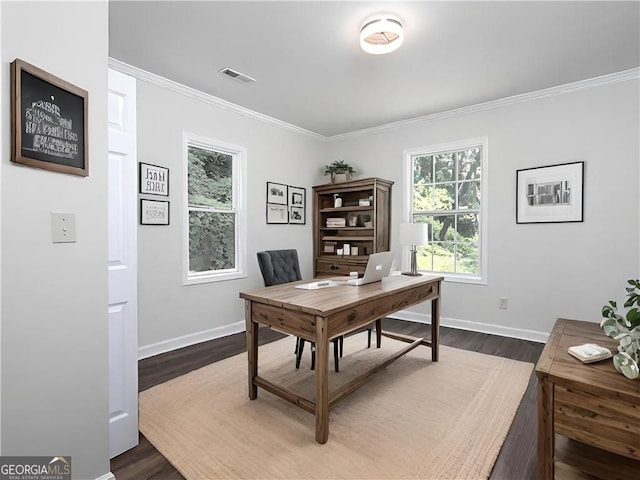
54	297
170	314
545	270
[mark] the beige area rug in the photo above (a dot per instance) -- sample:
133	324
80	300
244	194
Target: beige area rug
415	419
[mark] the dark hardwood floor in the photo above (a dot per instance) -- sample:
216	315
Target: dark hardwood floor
515	461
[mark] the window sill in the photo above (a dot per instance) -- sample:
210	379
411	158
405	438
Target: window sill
212	277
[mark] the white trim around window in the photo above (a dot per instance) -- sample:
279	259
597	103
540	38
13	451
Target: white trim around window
408	154
239	182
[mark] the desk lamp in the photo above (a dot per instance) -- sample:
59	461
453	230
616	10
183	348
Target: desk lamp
414	234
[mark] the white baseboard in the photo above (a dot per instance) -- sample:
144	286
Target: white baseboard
489	328
238	327
188	340
107	476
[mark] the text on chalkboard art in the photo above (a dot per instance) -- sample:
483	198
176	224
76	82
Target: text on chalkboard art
52	133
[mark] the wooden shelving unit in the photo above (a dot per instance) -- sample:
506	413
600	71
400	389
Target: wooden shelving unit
366	215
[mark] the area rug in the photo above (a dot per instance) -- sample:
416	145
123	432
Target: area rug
415	419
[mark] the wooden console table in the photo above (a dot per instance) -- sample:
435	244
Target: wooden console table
591	404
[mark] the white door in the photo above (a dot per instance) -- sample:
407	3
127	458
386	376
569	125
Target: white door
123	314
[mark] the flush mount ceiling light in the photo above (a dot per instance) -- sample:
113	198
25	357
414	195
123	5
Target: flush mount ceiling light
381	34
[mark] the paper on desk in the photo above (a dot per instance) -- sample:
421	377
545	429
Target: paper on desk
317	285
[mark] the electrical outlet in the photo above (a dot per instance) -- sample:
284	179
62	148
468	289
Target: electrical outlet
502	303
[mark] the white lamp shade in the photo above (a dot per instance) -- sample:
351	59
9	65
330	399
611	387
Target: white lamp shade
414	233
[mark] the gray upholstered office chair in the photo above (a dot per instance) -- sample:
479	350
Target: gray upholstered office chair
282	266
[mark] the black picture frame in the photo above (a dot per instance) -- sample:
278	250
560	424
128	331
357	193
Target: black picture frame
550	194
277	214
297	205
154	212
49	120
277	193
153	179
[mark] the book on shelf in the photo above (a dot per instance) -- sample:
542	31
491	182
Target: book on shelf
590	352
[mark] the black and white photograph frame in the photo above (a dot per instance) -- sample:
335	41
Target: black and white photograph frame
277	213
277	193
154	212
153	179
550	194
297	202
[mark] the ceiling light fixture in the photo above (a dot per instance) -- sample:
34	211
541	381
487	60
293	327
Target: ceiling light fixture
381	34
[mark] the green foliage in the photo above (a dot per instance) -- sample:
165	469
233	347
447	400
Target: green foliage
211	231
626	329
338	166
210	178
631	319
211	241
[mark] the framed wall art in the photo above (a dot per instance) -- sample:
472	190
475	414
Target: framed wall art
297	202
277	193
154	180
48	121
277	213
550	194
154	212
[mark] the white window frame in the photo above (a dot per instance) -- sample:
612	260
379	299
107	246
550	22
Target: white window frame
239	182
408	154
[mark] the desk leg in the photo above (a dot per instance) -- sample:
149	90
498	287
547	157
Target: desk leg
252	349
435	329
546	434
322	380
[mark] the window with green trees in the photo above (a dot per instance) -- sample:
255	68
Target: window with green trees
447	183
213	211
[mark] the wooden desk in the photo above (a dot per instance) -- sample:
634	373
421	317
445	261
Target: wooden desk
321	315
590	403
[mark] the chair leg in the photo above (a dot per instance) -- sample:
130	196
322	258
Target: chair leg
341	345
299	349
368	338
336	342
379	332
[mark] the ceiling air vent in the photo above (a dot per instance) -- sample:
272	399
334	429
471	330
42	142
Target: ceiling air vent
237	76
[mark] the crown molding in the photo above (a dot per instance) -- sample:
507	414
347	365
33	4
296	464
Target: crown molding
626	75
163	82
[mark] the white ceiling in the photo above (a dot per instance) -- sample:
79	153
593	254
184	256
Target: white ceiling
311	72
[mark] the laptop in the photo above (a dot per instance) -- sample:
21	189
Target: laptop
378	266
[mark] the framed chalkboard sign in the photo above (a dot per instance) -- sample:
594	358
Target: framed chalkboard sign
48	121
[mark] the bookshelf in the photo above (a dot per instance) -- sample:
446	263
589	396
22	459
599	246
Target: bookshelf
346	232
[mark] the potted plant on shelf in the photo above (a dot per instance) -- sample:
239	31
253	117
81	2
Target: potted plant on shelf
339	171
625	329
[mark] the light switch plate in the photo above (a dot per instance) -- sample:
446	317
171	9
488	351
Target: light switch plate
63	227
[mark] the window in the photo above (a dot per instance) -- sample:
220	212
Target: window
215	240
447	190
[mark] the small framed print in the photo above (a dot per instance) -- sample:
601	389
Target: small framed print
297	204
277	213
296	215
550	194
154	212
154	180
277	193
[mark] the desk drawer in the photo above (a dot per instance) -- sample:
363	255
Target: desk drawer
608	423
328	267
